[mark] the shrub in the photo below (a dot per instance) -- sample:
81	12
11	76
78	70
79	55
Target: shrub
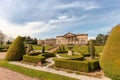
47	55
72	64
110	58
33	59
93	65
72	57
34	53
16	50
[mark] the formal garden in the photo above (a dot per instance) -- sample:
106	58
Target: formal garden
85	60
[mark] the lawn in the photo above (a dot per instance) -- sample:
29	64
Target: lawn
84	49
34	73
37	47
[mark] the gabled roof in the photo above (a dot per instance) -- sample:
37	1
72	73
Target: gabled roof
69	34
72	34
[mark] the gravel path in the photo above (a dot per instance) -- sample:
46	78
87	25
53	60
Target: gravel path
2	55
6	74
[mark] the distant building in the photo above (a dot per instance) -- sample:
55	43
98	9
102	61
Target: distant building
69	38
50	41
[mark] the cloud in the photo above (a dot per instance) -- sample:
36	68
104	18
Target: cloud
79	4
33	27
26	29
61	19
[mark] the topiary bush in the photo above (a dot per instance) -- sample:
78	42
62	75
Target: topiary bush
110	58
16	50
33	59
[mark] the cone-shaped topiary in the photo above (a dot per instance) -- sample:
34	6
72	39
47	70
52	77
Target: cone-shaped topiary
110	59
43	49
16	50
92	49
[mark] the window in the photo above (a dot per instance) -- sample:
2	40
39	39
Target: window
82	41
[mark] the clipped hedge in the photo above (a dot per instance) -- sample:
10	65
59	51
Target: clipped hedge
3	50
34	53
93	65
61	52
72	64
72	57
47	55
33	59
86	54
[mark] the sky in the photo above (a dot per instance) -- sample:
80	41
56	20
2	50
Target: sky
50	18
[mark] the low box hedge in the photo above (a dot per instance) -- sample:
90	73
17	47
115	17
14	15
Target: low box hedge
3	50
93	65
86	54
61	52
34	53
47	55
72	57
84	66
33	59
72	64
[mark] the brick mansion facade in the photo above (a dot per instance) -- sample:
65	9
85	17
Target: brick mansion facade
69	38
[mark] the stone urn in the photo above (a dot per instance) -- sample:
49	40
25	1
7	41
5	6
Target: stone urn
70	47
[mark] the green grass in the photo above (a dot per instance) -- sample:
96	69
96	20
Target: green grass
84	49
1	46
33	73
37	47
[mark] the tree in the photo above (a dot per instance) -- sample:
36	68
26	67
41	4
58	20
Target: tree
92	49
100	39
16	50
110	58
1	38
29	40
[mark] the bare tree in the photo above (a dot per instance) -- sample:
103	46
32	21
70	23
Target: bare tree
1	38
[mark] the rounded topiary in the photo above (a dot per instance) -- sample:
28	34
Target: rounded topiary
110	59
16	50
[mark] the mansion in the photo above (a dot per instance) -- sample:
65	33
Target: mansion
69	38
